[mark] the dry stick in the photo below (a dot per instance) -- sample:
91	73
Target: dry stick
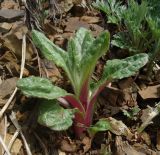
4	131
4	146
15	122
5	124
13	117
13	139
8	103
21	74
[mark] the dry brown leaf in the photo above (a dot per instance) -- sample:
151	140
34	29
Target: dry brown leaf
66	5
96	29
9	15
16	146
2	131
61	153
7	87
13	42
150	92
68	146
143	148
5	27
119	128
123	148
90	19
145	136
87	144
130	90
9	4
74	24
158	139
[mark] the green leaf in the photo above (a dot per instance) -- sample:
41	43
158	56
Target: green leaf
154	25
134	20
119	69
52	115
99	47
102	125
77	47
123	41
112	9
40	87
154	8
131	114
50	50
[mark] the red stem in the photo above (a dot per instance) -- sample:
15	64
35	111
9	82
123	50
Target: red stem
79	116
90	108
84	94
74	103
83	119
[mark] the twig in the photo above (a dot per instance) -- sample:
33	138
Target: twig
23	56
21	74
15	122
8	103
4	146
11	142
5	128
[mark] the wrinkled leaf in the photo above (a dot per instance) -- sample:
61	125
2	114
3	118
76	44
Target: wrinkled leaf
52	115
50	50
99	47
122	68
101	125
40	87
118	69
77	47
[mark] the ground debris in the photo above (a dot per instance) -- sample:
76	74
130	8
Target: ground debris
150	92
124	148
9	15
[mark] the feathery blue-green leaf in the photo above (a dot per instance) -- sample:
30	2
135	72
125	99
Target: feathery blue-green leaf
113	10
